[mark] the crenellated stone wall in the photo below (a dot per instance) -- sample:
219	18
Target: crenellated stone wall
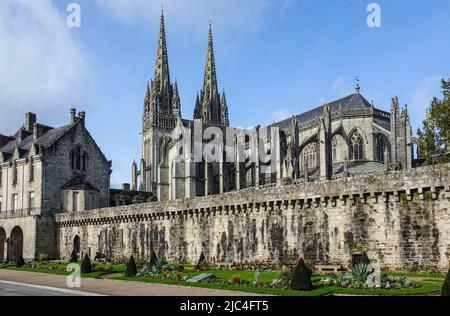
402	219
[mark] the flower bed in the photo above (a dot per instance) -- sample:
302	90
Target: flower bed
347	280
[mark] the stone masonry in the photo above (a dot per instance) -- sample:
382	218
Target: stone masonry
399	218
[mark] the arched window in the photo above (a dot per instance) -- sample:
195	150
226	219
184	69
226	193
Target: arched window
380	147
77	159
356	147
310	156
334	146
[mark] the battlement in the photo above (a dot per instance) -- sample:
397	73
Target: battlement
377	187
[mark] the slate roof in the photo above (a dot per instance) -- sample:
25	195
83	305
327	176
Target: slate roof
352	101
46	140
78	183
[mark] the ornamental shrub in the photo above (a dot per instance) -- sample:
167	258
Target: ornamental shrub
301	278
131	270
20	262
86	266
446	286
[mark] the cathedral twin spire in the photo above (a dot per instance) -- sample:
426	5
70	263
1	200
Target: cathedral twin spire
210	106
162	97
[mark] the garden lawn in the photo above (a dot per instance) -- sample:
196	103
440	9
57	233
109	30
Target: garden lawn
427	288
318	291
61	270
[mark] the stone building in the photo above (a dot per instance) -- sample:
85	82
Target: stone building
44	171
344	137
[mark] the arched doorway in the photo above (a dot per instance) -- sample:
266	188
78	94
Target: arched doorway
76	245
2	244
16	243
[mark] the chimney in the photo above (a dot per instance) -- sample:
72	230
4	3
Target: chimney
126	187
35	132
72	115
83	117
30	120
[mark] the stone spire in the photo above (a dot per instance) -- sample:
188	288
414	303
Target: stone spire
176	104
162	75
160	92
211	111
224	110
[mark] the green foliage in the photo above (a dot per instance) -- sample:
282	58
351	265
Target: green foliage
20	262
131	270
434	137
365	259
73	257
153	259
42	257
301	279
361	272
446	286
86	266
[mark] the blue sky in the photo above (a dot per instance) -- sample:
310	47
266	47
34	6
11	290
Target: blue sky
274	58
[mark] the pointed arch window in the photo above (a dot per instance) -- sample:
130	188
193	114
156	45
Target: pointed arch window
357	147
380	148
310	156
78	159
334	146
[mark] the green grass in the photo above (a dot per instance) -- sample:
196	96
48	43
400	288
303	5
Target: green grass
416	275
427	288
92	275
318	291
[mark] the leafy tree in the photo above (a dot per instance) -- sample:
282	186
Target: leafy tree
301	279
20	262
86	266
446	286
131	270
434	137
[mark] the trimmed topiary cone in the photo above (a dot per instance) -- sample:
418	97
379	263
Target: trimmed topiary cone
86	266
131	270
20	262
153	259
446	286
301	279
73	257
202	259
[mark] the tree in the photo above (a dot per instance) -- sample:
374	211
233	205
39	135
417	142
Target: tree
86	266
20	262
434	137
301	279
131	270
446	286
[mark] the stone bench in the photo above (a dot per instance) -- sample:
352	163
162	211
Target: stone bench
328	268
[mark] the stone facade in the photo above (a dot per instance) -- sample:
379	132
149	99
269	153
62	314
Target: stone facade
400	218
348	135
43	171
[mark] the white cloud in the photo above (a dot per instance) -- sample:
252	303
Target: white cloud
421	98
190	17
341	86
280	115
41	65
